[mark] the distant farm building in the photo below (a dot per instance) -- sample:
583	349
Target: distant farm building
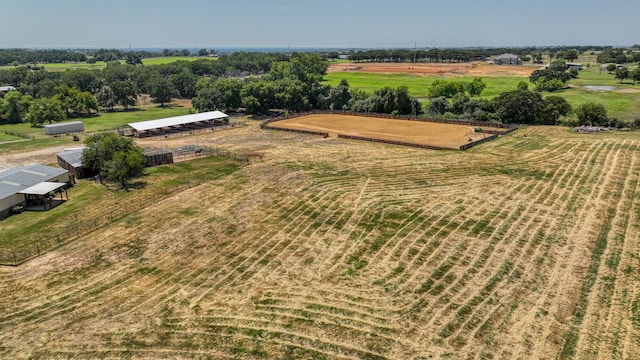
33	185
570	66
64	128
508	59
177	124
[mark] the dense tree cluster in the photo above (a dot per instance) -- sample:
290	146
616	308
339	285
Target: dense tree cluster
519	106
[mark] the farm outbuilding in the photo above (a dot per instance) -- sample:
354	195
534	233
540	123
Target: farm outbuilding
64	128
30	185
179	123
71	160
508	59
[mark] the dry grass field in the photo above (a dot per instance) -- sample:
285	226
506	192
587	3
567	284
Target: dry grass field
520	248
430	69
416	132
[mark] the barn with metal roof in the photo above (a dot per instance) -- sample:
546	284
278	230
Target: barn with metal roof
21	186
179	123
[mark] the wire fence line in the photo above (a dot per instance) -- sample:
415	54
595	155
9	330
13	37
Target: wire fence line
102	217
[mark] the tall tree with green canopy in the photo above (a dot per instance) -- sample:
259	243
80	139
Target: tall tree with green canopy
115	158
14	107
45	110
161	90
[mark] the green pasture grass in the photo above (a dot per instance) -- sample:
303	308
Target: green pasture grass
418	85
168	60
624	106
73	66
4	137
42	225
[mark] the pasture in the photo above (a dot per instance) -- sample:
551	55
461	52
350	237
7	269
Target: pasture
526	247
623	103
449	136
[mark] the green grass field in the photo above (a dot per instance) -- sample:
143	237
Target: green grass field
625	106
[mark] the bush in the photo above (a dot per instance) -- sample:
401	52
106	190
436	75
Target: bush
592	114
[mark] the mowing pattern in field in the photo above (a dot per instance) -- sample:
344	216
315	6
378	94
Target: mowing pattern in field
327	248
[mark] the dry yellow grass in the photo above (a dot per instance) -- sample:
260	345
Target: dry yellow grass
416	132
328	248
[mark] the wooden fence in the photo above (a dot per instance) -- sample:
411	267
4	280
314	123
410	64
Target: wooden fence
75	230
508	128
393	142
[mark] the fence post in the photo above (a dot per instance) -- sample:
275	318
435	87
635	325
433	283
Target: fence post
77	231
58	238
14	258
38	249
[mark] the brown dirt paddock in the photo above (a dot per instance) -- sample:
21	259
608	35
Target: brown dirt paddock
417	132
430	69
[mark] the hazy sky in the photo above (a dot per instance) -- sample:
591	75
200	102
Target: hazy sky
328	23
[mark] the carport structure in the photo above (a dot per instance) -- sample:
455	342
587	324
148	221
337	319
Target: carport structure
44	194
179	123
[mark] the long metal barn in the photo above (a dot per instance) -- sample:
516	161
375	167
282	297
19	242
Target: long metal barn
178	123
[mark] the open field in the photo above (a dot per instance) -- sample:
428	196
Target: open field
475	69
521	248
99	65
623	103
416	132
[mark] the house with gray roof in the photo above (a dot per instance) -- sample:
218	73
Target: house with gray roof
29	184
508	59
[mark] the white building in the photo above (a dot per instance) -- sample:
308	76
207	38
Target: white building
18	185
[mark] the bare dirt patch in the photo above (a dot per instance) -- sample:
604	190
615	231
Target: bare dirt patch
431	69
416	132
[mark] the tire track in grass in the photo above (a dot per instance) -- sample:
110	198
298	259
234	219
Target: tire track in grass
617	328
572	336
598	313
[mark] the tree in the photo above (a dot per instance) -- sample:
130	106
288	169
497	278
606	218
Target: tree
592	114
635	75
475	87
518	106
125	93
611	67
522	85
45	110
161	90
438	106
114	157
106	98
622	73
555	107
14	107
184	83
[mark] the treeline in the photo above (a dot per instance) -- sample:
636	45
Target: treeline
23	56
453	55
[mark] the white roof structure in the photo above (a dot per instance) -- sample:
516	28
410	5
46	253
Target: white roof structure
42	188
13	181
178	120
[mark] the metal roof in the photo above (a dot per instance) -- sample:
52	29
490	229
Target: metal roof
63	124
13	181
73	157
178	120
42	188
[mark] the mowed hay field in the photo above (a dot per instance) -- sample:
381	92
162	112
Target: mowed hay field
520	248
415	132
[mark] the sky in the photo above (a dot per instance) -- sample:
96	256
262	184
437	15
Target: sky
215	24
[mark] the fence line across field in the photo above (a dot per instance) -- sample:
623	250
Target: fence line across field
18	256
